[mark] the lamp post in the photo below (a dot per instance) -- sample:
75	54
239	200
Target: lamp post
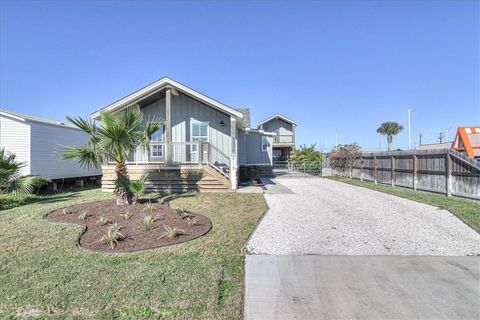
409	129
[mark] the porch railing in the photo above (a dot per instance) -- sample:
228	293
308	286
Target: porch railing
182	153
283	138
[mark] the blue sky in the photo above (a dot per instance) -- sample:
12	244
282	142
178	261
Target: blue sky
332	66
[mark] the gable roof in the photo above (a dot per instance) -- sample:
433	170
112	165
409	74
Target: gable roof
29	118
278	116
468	139
163	83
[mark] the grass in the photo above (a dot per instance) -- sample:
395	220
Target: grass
44	275
468	211
9	201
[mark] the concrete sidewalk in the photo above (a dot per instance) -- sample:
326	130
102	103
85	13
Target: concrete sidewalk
358	287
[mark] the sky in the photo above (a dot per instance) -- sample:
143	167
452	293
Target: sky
338	68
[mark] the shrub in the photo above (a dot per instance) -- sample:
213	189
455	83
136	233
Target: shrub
192	222
149	207
182	213
127	215
147	223
113	236
343	157
83	216
171	232
103	221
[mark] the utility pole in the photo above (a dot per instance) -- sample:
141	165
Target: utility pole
440	137
409	129
420	136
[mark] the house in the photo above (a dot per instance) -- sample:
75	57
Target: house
467	140
435	146
36	141
203	145
284	138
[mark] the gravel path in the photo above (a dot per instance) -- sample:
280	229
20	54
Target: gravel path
326	217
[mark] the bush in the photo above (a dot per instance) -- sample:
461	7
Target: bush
343	157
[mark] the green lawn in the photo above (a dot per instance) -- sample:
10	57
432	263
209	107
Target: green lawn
43	274
8	201
468	211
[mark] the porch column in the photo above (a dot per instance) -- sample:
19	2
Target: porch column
168	127
168	115
233	153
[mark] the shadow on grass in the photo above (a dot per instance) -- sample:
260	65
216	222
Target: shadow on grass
10	201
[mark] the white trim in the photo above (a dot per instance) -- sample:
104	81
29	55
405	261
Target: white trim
159	85
260	131
28	119
268	143
278	116
160	150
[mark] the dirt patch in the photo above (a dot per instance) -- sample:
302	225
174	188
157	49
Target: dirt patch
101	216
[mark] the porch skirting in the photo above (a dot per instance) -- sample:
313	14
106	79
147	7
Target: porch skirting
184	178
247	171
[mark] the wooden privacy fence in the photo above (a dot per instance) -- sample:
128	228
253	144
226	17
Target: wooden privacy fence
443	171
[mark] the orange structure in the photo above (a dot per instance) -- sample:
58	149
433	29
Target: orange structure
468	140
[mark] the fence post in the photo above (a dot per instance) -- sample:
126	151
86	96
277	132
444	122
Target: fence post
448	174
415	168
392	174
375	169
304	169
361	167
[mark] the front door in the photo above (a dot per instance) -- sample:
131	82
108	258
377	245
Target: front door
199	133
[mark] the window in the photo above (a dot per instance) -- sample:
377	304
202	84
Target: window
156	149
277	153
265	143
199	131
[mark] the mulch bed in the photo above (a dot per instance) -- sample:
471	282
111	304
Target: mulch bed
135	237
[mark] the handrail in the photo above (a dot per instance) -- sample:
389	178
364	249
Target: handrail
218	150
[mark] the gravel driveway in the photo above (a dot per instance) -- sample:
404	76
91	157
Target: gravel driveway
326	217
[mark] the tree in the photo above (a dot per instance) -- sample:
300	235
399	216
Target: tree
343	157
118	135
389	129
11	181
306	156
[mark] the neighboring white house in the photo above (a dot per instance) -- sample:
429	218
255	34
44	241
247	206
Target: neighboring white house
37	141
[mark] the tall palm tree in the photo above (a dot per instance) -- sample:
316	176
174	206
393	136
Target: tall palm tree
11	180
118	135
389	129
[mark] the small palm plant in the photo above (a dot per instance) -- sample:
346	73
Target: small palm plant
137	187
148	223
118	135
11	180
389	129
171	232
113	236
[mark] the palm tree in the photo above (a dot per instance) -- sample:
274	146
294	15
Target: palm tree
389	129
11	181
118	135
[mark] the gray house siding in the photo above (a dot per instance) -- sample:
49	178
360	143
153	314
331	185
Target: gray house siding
46	144
282	127
15	138
184	111
250	149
